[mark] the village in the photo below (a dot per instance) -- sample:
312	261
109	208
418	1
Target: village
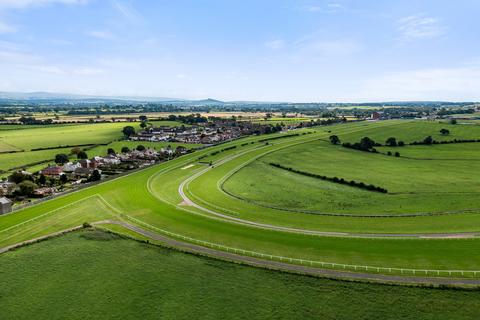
66	175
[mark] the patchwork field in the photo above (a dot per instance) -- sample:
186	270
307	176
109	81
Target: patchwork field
101	277
23	139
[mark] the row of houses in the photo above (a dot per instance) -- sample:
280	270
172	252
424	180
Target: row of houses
203	133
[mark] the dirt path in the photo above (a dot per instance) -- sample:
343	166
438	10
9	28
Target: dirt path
189	247
188	202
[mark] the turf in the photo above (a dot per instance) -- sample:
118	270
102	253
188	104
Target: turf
151	195
413	180
94	275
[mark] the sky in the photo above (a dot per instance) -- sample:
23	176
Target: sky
262	50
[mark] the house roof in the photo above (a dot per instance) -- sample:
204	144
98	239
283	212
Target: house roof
4	200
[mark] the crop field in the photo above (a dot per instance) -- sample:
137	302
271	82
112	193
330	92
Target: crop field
241	204
22	139
171	284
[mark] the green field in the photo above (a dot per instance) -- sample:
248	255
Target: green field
415	186
151	199
24	138
90	274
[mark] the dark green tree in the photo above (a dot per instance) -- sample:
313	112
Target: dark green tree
444	131
42	180
61	158
96	176
63	178
128	131
334	139
27	187
125	149
392	142
428	140
82	155
366	143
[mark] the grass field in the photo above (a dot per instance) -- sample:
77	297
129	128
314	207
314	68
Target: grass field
151	198
90	274
413	185
18	138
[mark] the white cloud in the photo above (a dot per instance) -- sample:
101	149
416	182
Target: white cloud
5	28
22	4
460	83
101	34
127	11
420	27
49	69
332	7
275	44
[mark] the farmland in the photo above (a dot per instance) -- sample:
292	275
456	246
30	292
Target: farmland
176	285
150	199
17	141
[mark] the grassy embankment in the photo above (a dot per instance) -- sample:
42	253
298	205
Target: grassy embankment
90	274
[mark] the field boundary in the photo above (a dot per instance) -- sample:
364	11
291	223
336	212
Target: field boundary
312	263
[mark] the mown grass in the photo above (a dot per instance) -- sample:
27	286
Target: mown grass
414	130
425	180
140	195
93	275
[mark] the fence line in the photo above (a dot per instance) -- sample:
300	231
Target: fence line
313	263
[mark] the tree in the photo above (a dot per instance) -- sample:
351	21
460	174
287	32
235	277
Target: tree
334	139
42	180
27	187
143	125
128	131
82	155
63	178
453	121
96	176
75	150
110	151
143	118
392	142
17	177
401	143
61	158
397	154
125	149
140	148
444	131
428	140
366	143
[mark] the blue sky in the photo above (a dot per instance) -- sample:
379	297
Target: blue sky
282	50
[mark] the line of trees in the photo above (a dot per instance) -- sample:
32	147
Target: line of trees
429	141
366	144
352	183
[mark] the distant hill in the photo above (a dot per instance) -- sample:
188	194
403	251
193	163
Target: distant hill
65	98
